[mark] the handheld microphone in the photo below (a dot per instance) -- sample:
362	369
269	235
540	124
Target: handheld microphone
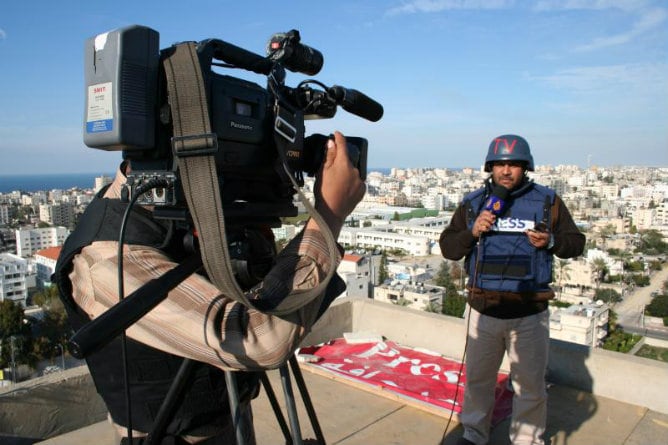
497	200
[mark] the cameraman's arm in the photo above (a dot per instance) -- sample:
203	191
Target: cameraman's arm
195	320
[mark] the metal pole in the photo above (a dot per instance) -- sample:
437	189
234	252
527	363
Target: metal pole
62	354
12	345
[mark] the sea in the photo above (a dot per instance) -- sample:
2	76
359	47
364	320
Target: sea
34	183
46	182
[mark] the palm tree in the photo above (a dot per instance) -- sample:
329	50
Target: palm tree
623	256
563	270
606	232
599	269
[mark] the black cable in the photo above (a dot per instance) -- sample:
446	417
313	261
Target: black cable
154	183
466	343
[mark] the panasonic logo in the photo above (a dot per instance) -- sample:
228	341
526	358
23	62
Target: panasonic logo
240	126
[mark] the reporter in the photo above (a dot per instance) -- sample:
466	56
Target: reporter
509	252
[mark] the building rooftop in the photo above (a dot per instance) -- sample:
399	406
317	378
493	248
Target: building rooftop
597	396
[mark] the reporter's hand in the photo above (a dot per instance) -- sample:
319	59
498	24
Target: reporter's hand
483	223
538	239
338	187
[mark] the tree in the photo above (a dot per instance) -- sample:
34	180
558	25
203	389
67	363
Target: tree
443	277
599	270
606	232
454	305
658	307
563	269
382	270
14	335
607	295
651	242
453	302
617	339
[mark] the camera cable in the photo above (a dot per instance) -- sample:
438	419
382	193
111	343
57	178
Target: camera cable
154	183
466	341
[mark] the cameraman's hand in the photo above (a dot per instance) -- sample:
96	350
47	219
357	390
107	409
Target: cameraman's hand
338	187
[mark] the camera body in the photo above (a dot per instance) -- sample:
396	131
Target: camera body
259	131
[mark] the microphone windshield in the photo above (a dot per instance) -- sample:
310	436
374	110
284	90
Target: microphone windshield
497	200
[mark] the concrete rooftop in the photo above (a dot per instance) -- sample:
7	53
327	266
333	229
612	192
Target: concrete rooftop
598	397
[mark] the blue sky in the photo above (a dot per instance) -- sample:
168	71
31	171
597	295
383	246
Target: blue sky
585	82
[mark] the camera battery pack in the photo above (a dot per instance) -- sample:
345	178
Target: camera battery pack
121	72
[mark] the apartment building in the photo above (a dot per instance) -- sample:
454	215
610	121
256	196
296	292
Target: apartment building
585	324
45	265
413	245
415	295
29	241
13	271
61	214
360	273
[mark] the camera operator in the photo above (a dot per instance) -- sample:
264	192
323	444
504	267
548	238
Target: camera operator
195	321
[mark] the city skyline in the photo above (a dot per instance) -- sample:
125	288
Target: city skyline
585	82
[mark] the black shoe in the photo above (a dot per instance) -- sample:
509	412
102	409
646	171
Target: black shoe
463	441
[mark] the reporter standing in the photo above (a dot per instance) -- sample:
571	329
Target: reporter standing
509	230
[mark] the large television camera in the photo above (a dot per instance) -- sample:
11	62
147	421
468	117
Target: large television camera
259	132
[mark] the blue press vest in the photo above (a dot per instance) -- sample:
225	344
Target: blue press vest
504	260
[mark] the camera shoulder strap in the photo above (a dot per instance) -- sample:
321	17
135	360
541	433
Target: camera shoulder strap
194	146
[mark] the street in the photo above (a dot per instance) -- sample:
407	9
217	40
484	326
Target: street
630	310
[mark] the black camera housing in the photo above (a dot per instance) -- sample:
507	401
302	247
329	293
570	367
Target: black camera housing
260	131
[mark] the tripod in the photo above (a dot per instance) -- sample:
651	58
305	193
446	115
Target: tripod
127	311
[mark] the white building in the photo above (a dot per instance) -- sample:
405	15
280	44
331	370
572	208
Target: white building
29	241
412	245
61	214
45	265
359	272
416	295
285	232
13	271
582	324
4	214
101	181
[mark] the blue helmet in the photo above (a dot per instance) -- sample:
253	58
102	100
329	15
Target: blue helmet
509	147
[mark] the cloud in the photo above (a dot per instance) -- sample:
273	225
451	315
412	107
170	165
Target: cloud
631	77
429	6
648	18
3	34
648	21
559	5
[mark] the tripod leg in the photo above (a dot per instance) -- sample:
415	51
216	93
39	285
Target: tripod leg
169	405
299	378
275	406
290	405
240	427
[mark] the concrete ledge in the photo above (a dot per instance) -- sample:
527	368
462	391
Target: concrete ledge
622	377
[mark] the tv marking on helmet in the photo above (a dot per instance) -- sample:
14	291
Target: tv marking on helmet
507	148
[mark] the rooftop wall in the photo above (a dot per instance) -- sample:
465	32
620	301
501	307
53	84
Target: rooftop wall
618	376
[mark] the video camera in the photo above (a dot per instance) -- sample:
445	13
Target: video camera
258	130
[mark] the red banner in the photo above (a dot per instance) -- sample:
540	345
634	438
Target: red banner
416	374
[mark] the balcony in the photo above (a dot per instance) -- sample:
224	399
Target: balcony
597	396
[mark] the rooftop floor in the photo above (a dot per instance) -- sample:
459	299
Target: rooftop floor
350	416
599	397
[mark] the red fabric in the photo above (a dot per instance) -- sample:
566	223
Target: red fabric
412	373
